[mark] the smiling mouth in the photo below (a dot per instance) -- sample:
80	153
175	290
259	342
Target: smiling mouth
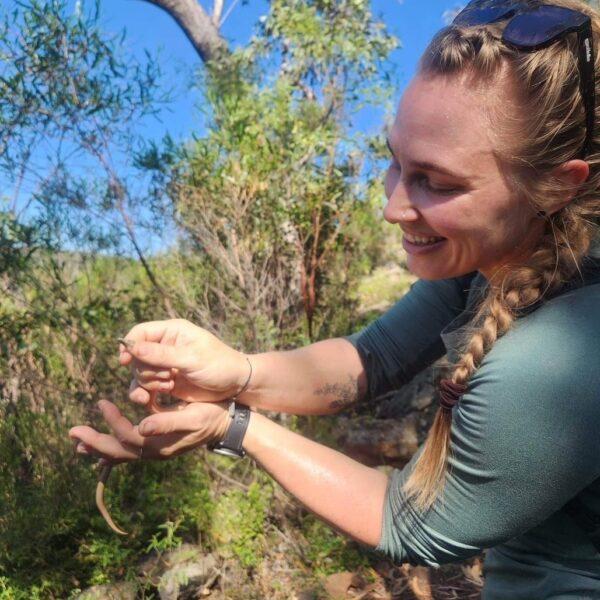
422	241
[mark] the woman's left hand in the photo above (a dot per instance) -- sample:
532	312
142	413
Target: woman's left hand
158	437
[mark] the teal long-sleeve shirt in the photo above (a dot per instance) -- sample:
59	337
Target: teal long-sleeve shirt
525	438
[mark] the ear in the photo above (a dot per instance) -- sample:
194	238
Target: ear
571	175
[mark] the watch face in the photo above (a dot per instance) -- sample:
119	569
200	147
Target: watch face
229	452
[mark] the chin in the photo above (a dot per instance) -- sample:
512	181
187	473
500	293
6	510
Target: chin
434	270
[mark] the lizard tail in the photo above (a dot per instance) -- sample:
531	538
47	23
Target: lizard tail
104	473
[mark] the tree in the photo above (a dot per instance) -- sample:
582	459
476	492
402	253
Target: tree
272	196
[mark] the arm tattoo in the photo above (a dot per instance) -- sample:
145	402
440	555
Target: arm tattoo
345	393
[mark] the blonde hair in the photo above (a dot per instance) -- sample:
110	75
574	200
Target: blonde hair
546	85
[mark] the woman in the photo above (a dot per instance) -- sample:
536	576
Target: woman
494	181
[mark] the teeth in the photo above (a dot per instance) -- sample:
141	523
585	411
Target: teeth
414	239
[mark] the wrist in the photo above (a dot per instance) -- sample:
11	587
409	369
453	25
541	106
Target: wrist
258	438
230	442
223	427
253	394
246	374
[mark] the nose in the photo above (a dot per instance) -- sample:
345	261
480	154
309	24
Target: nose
399	208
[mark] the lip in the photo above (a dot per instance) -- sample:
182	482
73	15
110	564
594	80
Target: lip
418	250
419	234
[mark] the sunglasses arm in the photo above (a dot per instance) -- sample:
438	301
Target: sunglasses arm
587	74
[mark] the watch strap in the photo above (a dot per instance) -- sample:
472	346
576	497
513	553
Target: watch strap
232	442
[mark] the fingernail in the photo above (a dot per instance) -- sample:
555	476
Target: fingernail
165	386
127	343
147	429
81	449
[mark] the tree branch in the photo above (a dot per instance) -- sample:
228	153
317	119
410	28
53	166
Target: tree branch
199	27
217	12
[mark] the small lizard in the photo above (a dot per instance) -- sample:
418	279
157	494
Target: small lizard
102	479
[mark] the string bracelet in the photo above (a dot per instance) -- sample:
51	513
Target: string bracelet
245	386
450	393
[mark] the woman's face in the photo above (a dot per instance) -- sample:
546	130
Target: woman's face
445	187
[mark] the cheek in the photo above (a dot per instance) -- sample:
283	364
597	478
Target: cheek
452	219
476	218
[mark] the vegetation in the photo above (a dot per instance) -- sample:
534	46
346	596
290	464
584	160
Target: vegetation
269	220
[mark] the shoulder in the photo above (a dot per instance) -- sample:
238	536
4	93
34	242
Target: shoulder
543	376
566	328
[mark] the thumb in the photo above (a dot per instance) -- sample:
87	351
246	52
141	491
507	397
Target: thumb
167	422
161	355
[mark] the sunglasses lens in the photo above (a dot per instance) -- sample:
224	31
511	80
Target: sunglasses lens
542	26
481	12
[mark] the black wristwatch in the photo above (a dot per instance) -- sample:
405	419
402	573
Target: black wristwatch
231	444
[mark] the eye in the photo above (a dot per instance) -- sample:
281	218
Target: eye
394	164
424	182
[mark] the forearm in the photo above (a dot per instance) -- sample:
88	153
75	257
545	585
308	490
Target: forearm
337	489
322	378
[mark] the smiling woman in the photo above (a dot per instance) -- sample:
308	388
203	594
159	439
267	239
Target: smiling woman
495	181
464	198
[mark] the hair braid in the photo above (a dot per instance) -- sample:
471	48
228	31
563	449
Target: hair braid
552	132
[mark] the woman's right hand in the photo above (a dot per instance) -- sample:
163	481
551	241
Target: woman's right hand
178	358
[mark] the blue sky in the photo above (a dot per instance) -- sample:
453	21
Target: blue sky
414	22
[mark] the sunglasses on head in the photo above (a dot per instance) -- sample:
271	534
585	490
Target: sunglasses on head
533	26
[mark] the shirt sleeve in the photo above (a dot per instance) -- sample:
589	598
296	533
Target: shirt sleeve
524	440
406	339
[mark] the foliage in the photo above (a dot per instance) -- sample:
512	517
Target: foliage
238	523
270	220
328	552
275	203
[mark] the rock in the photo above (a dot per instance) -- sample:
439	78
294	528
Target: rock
423	398
417	395
182	554
338	584
379	441
419	581
112	591
474	571
234	582
153	566
187	580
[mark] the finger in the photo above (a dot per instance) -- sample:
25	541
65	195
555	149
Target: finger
82	448
138	394
124	357
164	356
103	445
143	373
150	331
157	385
121	427
176	421
154	406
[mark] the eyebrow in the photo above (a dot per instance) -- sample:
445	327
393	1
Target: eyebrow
429	166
